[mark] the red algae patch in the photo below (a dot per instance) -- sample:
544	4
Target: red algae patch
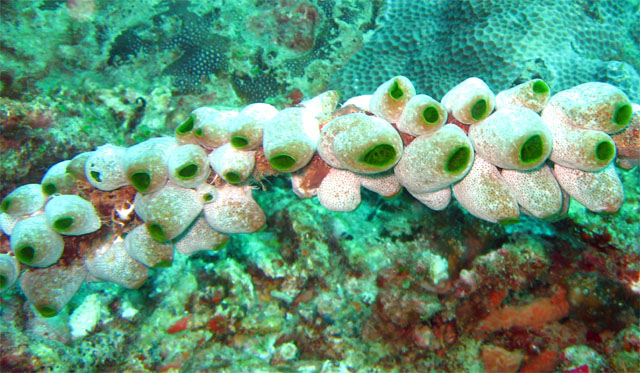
534	314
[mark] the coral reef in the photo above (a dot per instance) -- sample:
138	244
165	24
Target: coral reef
193	240
439	290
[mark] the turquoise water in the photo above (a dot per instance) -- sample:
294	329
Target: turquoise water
208	250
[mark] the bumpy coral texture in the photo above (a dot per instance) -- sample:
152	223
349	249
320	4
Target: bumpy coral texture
437	43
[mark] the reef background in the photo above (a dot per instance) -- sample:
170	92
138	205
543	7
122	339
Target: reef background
321	291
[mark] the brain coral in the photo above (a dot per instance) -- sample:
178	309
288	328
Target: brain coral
436	44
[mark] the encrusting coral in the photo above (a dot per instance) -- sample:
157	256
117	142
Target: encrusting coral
392	139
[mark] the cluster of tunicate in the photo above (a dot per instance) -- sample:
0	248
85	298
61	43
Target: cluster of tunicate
528	156
520	151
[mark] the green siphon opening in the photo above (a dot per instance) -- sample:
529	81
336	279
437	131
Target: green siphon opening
47	311
458	160
605	151
5	205
208	197
26	254
157	232
63	224
239	142
379	155
188	171
95	175
140	180
4	281
282	162
508	221
622	114
49	188
531	150
431	115
233	177
198	132
540	87
479	109
186	126
396	92
163	264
